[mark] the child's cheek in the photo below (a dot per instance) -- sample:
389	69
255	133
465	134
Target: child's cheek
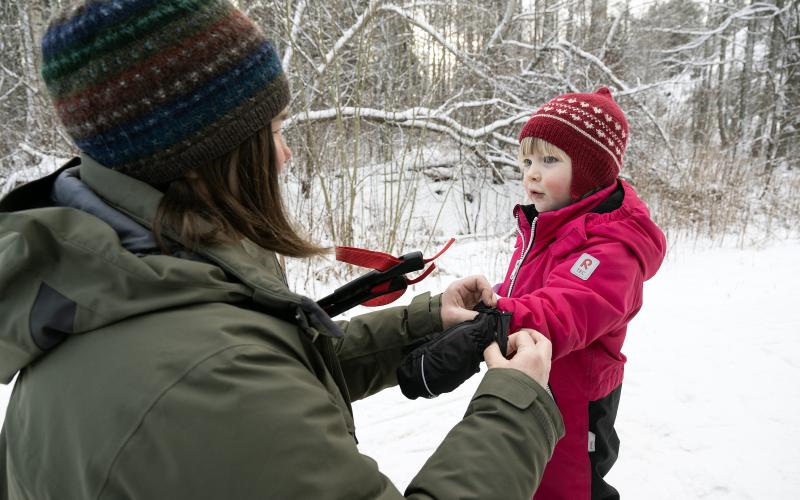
556	187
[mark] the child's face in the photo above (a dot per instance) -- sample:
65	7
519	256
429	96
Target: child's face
547	178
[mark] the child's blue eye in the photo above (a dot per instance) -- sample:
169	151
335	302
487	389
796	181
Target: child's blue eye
550	159
527	162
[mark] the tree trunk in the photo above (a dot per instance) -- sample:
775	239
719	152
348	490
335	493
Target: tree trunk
774	91
29	67
598	24
744	89
721	111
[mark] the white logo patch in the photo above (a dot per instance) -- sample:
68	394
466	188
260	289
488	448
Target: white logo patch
584	266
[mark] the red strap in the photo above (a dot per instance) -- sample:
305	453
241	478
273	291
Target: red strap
366	258
383	261
385	299
443	250
422	276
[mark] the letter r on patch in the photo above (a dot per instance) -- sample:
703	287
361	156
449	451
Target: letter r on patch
584	266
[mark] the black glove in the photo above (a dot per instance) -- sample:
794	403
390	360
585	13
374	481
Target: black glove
441	362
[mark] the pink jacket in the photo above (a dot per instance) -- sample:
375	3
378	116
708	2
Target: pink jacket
578	280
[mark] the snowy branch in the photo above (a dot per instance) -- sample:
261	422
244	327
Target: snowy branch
702	36
610	38
347	35
296	21
418	117
11	90
20	80
501	28
439	38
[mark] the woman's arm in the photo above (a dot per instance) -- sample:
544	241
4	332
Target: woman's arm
374	343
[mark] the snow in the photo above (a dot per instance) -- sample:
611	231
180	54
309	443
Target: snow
710	398
46	164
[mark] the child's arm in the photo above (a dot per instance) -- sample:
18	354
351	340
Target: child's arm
573	312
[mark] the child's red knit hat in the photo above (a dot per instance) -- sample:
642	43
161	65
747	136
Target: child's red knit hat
591	129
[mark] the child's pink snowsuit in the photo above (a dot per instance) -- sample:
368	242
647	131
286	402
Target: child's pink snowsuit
580	283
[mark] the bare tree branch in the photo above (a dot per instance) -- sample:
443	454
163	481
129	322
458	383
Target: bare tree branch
295	29
703	36
501	28
362	20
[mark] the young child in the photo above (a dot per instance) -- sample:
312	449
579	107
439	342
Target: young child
585	246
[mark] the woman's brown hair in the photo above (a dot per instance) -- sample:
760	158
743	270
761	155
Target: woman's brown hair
235	196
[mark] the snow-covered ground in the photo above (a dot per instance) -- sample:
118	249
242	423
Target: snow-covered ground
711	398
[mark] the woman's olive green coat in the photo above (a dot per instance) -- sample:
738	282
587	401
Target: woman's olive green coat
156	377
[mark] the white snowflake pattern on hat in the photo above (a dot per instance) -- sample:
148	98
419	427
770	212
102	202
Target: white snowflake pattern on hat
587	120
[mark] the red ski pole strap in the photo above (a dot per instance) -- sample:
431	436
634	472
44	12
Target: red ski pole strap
382	261
422	276
366	258
443	250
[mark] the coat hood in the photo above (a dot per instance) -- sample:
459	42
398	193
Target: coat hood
630	224
67	271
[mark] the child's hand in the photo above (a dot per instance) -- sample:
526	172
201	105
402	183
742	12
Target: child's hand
530	352
462	296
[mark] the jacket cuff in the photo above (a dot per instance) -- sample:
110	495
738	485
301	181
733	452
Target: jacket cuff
520	391
424	315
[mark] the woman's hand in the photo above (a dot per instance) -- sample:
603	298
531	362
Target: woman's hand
462	296
530	352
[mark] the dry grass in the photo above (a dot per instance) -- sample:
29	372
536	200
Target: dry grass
718	198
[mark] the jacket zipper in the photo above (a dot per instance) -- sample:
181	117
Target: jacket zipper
516	270
524	254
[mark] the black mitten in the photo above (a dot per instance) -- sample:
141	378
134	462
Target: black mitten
441	362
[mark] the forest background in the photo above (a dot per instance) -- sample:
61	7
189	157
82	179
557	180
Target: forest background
391	95
403	123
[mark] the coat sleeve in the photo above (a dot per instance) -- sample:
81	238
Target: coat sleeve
573	312
255	422
373	344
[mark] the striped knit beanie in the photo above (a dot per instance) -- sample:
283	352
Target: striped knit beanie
153	87
591	129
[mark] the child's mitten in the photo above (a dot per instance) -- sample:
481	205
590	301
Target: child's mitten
441	362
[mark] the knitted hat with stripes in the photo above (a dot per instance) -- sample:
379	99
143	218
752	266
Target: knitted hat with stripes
591	129
152	88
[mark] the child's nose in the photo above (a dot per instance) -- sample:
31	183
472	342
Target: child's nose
532	172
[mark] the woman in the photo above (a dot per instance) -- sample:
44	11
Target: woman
159	350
